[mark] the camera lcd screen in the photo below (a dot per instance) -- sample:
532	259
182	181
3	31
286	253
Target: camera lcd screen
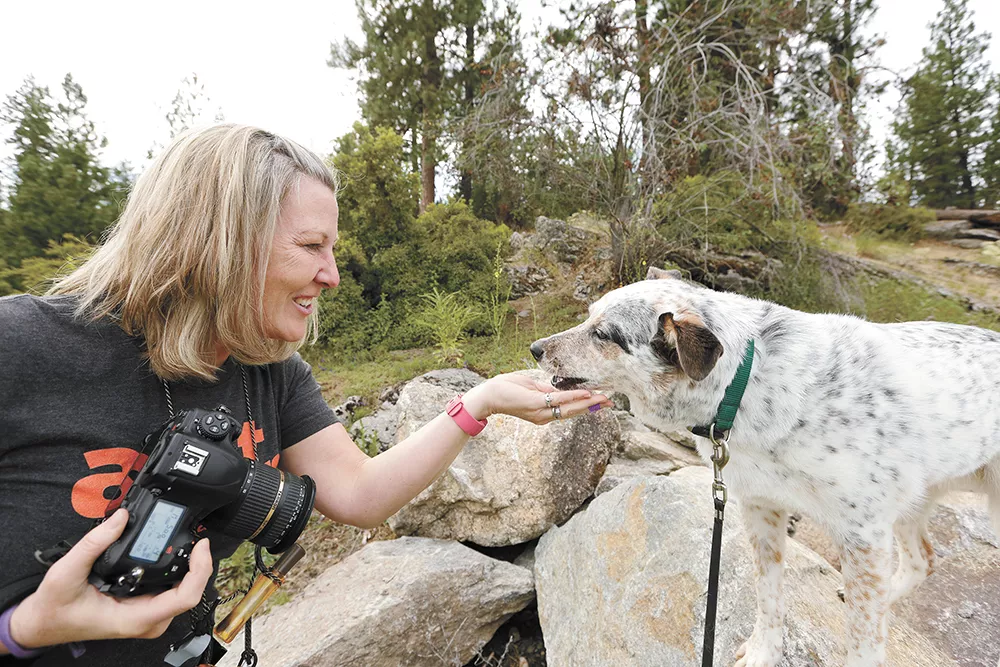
156	532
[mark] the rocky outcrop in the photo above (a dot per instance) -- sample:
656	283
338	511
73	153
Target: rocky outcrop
384	423
408	602
511	483
560	241
629	575
645	452
527	279
560	244
957	606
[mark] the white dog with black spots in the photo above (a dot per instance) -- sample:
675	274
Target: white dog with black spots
859	425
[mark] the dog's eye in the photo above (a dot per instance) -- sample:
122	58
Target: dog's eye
601	335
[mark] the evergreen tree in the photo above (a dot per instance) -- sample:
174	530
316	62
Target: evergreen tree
839	27
59	186
990	172
422	70
941	122
402	76
497	140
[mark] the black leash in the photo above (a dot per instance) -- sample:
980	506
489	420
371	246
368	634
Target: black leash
720	457
718	433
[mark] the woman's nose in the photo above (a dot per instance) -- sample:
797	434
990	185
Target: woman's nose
329	275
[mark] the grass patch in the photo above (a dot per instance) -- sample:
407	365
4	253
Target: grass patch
367	374
867	245
889	222
895	301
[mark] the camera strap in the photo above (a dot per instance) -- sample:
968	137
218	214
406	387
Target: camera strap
199	643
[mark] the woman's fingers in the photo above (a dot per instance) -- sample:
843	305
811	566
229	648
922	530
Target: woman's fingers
150	615
76	564
573	408
565	397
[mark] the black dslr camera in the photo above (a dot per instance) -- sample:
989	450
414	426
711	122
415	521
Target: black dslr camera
197	479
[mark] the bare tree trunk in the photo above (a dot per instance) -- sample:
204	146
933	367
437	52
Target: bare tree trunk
430	90
428	167
465	182
414	153
642	68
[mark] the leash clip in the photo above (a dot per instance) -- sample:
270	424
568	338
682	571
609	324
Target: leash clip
720	457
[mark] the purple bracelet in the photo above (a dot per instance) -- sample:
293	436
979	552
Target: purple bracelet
15	649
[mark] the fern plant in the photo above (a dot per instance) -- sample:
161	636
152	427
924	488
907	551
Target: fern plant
446	317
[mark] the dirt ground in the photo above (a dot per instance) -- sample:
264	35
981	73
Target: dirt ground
968	272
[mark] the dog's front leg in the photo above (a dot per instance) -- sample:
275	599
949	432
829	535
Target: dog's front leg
867	565
766	528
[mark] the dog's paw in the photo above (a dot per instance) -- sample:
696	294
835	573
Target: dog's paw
748	658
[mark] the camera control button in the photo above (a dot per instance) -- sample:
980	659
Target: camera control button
210	431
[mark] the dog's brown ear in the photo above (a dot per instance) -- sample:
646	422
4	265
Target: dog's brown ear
697	349
654	273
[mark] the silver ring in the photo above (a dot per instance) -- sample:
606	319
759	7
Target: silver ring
556	412
548	400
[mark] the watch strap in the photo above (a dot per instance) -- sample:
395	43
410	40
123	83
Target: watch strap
456	410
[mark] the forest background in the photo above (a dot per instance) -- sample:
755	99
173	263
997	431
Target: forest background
684	129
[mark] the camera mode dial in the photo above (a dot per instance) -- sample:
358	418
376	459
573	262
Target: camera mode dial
214	426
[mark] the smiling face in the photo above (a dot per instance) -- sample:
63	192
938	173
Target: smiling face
301	263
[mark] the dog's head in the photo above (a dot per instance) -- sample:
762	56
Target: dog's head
647	334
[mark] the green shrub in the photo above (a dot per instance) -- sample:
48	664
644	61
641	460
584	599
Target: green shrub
719	212
36	274
446	249
885	221
378	197
446	318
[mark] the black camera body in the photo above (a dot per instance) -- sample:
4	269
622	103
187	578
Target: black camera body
196	479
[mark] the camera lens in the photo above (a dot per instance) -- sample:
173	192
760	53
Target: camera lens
272	509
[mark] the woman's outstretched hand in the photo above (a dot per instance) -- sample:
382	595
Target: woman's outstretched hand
529	399
67	608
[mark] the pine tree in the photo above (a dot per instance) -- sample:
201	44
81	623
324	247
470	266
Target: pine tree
422	70
990	171
402	76
59	185
839	27
941	122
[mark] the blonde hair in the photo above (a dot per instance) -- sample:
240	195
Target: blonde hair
184	265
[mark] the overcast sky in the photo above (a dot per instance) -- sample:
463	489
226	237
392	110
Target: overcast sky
262	63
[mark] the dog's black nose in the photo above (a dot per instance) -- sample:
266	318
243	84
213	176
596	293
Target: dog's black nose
537	351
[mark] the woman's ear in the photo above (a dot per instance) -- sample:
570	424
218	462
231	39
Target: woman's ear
695	350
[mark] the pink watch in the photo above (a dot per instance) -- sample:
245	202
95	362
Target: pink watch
456	410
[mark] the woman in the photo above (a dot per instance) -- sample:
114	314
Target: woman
200	296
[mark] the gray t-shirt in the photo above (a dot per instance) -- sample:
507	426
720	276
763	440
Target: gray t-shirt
76	401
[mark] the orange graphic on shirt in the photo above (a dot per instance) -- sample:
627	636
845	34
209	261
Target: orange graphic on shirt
88	497
92	495
246	443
